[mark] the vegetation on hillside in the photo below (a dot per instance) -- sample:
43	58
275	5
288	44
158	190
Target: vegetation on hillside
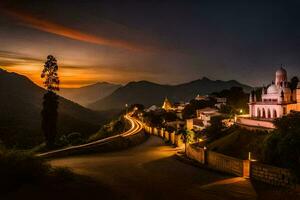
238	142
216	130
21	105
190	110
294	83
25	176
115	127
19	168
282	147
237	100
158	119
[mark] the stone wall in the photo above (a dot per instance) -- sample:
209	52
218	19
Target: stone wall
195	153
254	170
215	160
178	140
255	123
225	163
257	171
155	131
172	137
161	133
270	174
167	136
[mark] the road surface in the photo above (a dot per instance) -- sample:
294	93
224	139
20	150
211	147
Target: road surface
151	171
136	127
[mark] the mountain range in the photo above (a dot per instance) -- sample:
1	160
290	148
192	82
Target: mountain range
89	94
21	104
148	93
20	108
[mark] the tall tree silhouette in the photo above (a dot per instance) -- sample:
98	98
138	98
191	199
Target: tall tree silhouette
50	103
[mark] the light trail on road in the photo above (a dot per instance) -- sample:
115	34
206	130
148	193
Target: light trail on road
136	127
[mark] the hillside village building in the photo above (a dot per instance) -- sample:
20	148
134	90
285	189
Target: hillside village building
277	100
167	105
203	119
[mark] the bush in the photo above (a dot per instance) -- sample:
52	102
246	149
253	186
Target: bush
282	147
113	128
215	130
75	138
20	168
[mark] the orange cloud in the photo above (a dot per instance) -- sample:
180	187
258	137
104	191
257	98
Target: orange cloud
50	27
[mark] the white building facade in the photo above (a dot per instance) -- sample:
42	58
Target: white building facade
277	100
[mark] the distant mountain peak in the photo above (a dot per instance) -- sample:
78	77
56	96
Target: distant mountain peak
89	93
204	78
103	83
142	82
149	93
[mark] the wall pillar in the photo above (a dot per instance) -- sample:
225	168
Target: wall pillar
246	168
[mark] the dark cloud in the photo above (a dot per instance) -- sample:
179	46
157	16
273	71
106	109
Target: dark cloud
8	58
242	40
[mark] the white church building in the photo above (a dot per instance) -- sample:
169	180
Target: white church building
277	100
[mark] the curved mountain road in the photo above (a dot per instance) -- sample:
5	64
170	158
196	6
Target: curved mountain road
151	171
136	127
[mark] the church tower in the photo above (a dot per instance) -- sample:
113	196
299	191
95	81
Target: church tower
281	77
167	105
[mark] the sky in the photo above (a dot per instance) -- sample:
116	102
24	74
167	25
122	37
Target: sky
168	42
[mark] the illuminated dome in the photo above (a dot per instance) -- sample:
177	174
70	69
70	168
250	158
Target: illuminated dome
272	89
281	71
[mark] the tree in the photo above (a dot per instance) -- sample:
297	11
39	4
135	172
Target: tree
153	119
236	98
186	136
294	83
282	147
190	110
169	116
50	103
214	131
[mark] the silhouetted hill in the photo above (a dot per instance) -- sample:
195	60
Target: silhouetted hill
20	108
89	94
149	93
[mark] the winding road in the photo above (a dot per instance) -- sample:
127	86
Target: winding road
151	171
136	127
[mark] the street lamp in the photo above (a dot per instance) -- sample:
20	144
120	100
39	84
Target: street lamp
126	105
